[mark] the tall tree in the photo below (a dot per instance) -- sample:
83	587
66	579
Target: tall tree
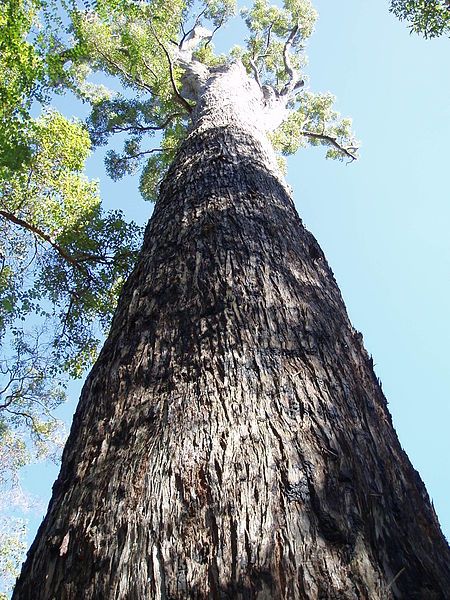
232	440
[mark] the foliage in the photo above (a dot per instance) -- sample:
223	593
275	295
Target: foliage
136	43
62	259
137	118
269	28
13	455
314	122
430	18
12	547
20	72
311	119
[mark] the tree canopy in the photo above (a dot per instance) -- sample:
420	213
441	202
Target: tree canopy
147	45
431	18
62	258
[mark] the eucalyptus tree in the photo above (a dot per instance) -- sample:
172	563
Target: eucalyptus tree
232	440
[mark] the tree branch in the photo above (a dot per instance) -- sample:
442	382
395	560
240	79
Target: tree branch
83	256
216	28
186	33
27	417
12	379
348	151
292	83
149	69
255	71
122	71
46	237
269	31
182	101
141	128
144	152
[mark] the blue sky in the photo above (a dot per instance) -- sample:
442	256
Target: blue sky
382	222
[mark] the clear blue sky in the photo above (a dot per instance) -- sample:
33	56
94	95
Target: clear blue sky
382	222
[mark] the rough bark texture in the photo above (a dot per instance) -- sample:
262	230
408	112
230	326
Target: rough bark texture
232	440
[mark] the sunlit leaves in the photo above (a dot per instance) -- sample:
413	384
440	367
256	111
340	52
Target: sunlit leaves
206	55
20	70
219	11
270	27
140	121
430	18
315	122
12	548
27	400
125	40
62	257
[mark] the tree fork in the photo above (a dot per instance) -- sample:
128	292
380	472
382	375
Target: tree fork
232	440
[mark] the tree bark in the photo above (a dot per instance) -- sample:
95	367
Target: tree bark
232	440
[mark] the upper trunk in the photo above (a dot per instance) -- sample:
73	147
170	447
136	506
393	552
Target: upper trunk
232	440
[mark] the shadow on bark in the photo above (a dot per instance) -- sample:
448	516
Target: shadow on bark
232	319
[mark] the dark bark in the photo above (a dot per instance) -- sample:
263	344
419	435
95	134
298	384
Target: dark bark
232	441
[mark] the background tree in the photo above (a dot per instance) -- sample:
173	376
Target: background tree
327	523
430	18
62	259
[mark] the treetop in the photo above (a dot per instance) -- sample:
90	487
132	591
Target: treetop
149	47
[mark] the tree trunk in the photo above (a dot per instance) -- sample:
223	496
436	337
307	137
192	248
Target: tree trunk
232	440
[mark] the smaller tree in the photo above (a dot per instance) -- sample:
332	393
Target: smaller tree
62	258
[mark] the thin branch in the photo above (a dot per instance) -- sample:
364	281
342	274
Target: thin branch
149	69
45	409
44	236
122	71
142	128
66	316
186	33
286	50
255	71
8	401
26	416
12	380
106	258
292	84
74	261
214	31
269	31
3	259
144	152
25	268
182	101
26	378
261	56
348	151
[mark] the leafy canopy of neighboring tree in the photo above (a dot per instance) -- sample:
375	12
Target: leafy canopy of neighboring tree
62	259
430	18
